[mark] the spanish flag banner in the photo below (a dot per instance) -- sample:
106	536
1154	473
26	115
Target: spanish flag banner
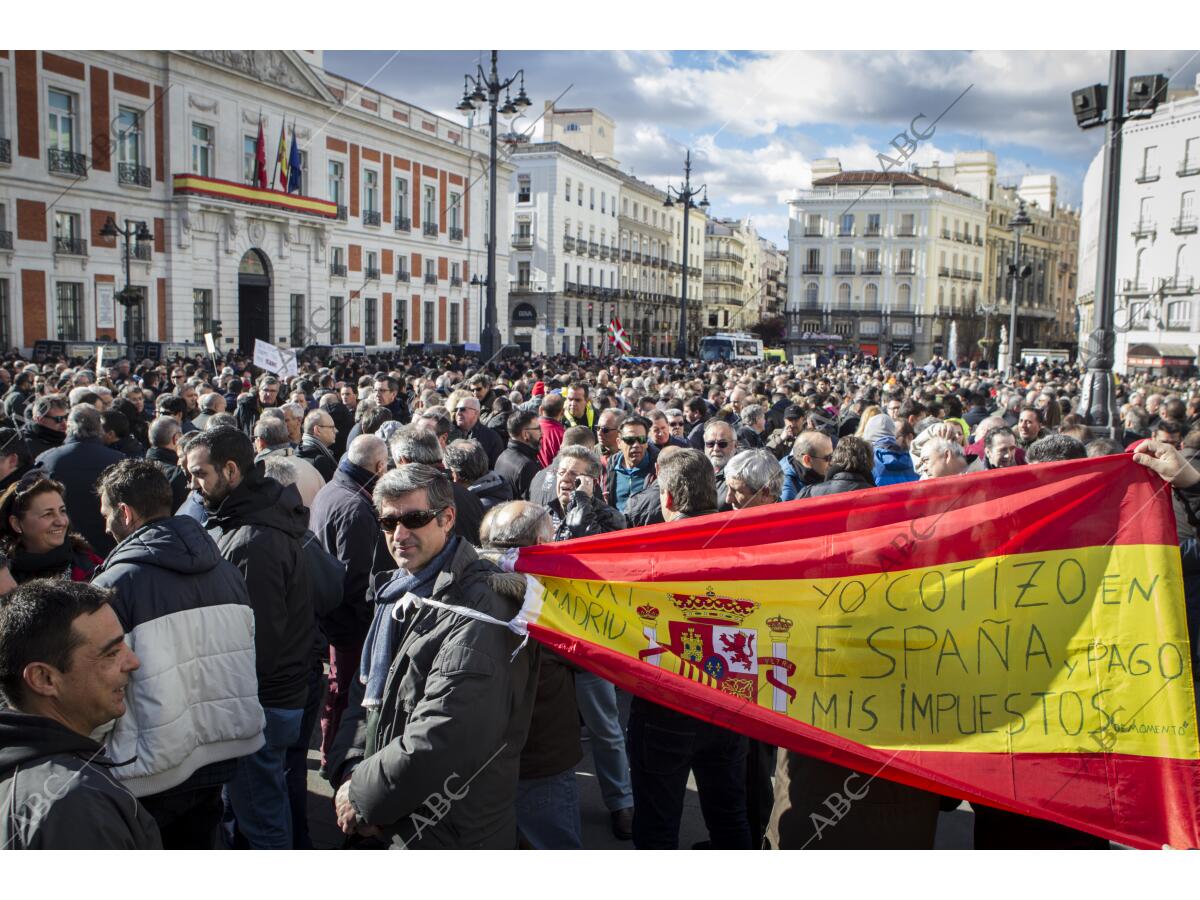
1015	638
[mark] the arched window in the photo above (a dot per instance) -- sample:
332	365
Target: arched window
844	295
904	297
811	294
872	296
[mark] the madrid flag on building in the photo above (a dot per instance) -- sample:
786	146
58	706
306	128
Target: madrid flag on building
1015	638
281	159
617	336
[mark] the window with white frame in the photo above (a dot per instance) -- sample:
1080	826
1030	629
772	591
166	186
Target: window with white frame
811	295
371	318
201	313
203	158
129	136
455	211
844	295
249	157
69	309
336	306
62	121
402	210
427	323
335	174
568	190
370	191
1179	314
455	314
524	189
430	211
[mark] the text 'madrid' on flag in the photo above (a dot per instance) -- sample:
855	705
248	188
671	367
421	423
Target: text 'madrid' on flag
1015	638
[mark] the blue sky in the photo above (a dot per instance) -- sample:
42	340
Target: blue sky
756	120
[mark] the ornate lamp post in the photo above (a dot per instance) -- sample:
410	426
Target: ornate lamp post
487	87
1017	272
128	296
685	195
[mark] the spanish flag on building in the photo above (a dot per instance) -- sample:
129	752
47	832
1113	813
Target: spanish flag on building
1016	638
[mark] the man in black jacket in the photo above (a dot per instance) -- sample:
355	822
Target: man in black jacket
664	745
466	420
64	667
164	434
518	463
46	424
388	396
344	521
78	464
316	445
20	395
259	524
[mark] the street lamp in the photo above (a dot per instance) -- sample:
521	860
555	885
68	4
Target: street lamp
128	296
1093	106
685	195
1017	272
487	87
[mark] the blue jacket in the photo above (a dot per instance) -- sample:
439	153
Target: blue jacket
893	465
796	478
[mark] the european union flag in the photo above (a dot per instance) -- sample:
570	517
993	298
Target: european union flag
294	171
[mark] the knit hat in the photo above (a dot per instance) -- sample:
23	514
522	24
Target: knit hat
539	388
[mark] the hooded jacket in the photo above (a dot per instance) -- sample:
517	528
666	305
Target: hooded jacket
454	717
260	529
57	792
185	611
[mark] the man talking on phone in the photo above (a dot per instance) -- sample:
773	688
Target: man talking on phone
577	509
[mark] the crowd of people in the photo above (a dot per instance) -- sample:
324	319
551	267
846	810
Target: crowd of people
203	570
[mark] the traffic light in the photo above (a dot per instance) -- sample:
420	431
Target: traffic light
215	328
398	332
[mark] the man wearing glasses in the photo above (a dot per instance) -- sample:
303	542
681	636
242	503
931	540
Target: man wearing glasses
631	470
807	465
466	420
46	426
519	462
448	697
720	444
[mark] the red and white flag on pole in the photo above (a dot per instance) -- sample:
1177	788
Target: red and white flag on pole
617	336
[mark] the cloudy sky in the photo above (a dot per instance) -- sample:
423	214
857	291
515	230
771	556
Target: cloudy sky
756	120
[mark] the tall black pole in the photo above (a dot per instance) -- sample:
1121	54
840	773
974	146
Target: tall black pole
681	350
1016	285
1097	401
489	340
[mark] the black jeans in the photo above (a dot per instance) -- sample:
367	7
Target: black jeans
664	746
187	820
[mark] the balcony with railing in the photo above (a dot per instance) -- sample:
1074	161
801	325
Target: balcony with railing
403	276
843	269
978	240
906	232
402	223
945	234
6	240
70	246
141	250
5	151
343	214
337	270
371	273
593	249
944	271
456	281
456	234
64	162
906	269
568	243
812	269
430	229
1184	225
1149	174
872	269
133	174
1145	228
811	231
371	217
517	287
731	257
522	240
872	231
431	278
1186	167
625	256
1133	286
603	252
637	257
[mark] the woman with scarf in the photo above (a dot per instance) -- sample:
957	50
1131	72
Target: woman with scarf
36	535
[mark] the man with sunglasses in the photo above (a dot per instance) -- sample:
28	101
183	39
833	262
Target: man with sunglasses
46	424
807	465
720	445
519	462
448	692
467	422
631	470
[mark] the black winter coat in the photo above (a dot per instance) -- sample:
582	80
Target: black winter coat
517	465
260	529
78	464
39	439
840	483
168	461
88	810
344	521
491	490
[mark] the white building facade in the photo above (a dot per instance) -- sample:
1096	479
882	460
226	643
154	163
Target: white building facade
388	223
880	263
1158	248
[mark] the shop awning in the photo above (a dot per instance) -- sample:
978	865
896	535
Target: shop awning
1153	356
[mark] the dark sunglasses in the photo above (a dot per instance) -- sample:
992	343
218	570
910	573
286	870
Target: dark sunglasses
678	423
412	520
632	439
605	429
721	444
58	419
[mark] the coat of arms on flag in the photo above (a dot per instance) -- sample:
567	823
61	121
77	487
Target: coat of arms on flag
617	336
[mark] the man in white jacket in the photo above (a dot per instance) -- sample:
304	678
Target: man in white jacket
192	707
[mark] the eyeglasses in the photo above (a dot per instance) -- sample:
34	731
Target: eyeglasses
632	439
605	429
824	458
58	419
479	387
721	444
459	409
677	423
412	520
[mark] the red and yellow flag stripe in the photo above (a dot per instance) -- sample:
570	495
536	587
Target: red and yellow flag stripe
1016	638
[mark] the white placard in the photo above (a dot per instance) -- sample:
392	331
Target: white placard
106	312
208	342
274	360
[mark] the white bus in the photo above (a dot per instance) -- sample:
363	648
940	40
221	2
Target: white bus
731	348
